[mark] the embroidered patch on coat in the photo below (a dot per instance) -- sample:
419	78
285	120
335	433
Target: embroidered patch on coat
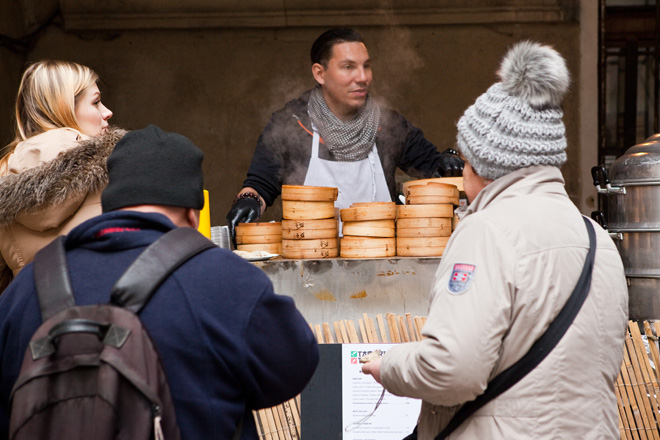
461	278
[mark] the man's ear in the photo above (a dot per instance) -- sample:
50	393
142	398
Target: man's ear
192	216
319	73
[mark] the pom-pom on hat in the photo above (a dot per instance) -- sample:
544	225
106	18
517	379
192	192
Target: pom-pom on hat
518	123
154	167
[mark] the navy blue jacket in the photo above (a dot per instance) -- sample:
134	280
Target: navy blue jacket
227	341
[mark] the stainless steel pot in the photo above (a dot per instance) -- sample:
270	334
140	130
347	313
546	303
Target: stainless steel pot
632	216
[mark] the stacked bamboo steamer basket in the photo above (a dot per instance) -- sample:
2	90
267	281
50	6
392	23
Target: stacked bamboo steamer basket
368	230
424	223
259	237
309	224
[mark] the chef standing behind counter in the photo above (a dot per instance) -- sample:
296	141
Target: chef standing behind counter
336	135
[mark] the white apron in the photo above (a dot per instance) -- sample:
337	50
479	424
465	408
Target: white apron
361	181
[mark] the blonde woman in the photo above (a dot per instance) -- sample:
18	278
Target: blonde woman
54	170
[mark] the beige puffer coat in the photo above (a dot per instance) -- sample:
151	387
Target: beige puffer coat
53	184
527	243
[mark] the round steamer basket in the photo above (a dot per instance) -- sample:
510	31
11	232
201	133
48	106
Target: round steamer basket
309	193
457	181
308	229
255	239
415	211
367	247
307	234
368	211
273	248
327	223
297	210
425	232
315	254
369	228
324	243
421	247
423	222
263	228
431	200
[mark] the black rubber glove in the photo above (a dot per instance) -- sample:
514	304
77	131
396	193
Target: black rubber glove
244	210
450	164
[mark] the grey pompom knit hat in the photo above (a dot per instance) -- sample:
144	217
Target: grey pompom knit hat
518	123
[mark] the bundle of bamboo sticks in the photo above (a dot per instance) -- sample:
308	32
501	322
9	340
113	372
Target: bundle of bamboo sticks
282	422
637	388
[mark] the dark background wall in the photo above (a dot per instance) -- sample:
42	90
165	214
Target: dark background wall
218	83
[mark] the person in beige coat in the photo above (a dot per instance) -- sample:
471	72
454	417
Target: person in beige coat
54	170
508	270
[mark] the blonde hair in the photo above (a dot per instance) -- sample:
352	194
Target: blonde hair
47	99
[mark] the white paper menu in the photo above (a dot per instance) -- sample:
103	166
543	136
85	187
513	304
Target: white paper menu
394	418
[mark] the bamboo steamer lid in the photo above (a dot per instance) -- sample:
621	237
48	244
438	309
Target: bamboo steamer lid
425	232
369	228
262	228
457	181
432	189
273	248
422	222
307	234
300	254
368	211
255	239
309	193
431	200
367	247
410	211
324	243
299	210
326	223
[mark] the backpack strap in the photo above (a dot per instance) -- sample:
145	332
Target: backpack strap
540	349
51	278
157	262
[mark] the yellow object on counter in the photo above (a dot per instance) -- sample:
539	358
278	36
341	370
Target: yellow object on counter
205	218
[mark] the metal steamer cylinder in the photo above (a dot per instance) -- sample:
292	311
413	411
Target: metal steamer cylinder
632	216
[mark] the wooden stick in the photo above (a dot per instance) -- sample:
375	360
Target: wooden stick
372	330
327	334
411	327
319	334
363	331
390	327
290	420
381	327
418	327
340	338
402	329
344	333
353	333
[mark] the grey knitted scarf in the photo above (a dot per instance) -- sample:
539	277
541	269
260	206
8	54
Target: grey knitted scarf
348	141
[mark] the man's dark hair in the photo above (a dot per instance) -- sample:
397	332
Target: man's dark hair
322	48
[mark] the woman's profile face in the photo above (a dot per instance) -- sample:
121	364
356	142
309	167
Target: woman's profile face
91	114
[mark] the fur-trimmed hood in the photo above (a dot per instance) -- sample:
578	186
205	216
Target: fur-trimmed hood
78	170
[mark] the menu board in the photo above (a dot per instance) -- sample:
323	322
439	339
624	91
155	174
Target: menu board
369	412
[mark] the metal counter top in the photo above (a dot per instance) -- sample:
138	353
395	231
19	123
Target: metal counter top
334	289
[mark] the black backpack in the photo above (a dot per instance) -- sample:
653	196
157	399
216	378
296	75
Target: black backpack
93	372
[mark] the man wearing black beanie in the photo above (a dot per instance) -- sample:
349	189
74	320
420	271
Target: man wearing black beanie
228	343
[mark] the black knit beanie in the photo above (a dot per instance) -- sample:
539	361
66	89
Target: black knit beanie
153	167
